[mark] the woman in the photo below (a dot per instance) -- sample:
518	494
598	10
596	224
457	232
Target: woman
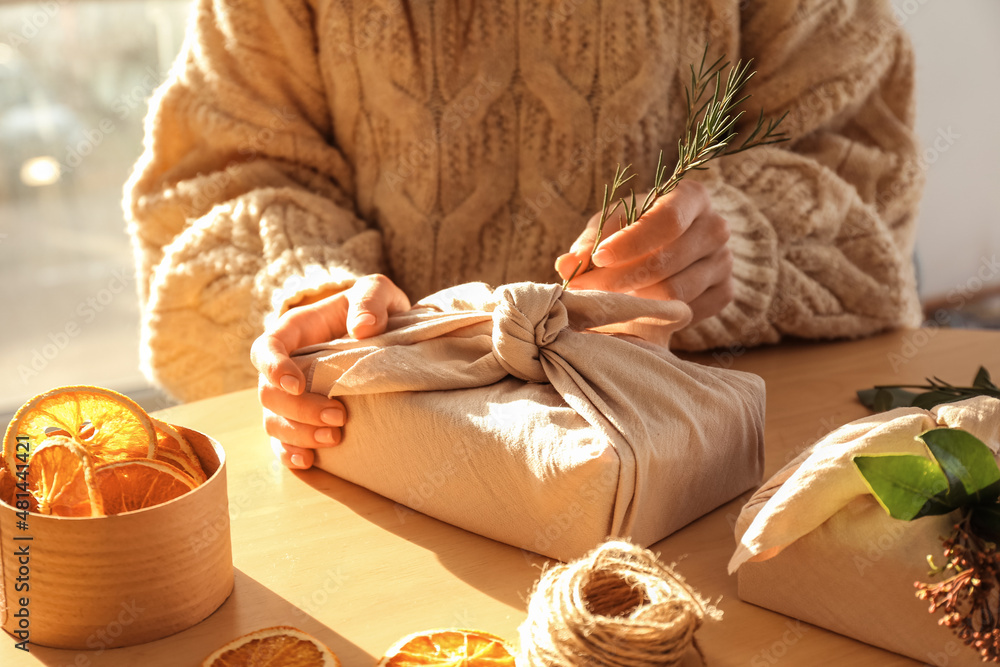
337	160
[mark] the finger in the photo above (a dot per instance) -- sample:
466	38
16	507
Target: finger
625	278
694	281
702	240
577	257
308	408
316	322
711	302
304	436
306	325
271	358
669	218
292	456
372	299
570	264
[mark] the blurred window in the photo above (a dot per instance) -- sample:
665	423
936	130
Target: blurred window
75	81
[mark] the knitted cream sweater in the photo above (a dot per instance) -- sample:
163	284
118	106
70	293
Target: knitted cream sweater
299	144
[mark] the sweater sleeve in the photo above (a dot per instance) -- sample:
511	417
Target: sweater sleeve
823	225
241	204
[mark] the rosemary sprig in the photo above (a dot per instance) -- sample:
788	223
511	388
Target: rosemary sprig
619	180
709	130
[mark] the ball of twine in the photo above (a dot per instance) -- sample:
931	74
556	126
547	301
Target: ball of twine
617	605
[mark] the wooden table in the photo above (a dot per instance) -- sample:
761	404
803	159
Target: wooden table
359	572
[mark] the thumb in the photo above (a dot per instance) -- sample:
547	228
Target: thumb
270	356
372	299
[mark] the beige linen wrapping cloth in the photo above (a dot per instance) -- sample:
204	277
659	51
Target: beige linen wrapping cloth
542	418
815	544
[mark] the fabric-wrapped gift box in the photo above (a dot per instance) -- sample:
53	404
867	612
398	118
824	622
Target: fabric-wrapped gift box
542	418
815	544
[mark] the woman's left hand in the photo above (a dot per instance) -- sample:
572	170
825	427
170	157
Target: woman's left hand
676	251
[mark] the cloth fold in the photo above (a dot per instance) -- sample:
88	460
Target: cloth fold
543	418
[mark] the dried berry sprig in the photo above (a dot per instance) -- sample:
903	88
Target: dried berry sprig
969	599
709	132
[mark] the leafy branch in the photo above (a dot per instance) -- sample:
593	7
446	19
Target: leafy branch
709	132
936	391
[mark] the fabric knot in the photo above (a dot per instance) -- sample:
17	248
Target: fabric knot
528	316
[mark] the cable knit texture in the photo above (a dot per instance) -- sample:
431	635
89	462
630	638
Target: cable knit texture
298	145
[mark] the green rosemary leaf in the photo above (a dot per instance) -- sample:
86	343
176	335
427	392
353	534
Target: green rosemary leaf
740	101
757	128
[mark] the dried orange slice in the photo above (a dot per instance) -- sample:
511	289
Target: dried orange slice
110	426
173	448
102	454
124	486
60	479
281	646
8	487
449	648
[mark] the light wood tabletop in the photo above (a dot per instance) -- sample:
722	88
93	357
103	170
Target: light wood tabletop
359	572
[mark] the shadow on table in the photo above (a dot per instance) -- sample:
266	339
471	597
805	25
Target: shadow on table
251	606
492	572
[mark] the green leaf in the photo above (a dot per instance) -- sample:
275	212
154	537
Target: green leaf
908	486
966	461
983	380
867	397
899	398
990	494
880	399
929	399
884	400
985	521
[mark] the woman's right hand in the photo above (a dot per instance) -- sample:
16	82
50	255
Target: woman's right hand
299	421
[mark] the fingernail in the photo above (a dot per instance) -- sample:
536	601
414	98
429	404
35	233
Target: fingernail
332	416
604	257
324	435
289	383
364	319
298	461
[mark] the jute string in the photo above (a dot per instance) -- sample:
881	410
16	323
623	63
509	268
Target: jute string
617	606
